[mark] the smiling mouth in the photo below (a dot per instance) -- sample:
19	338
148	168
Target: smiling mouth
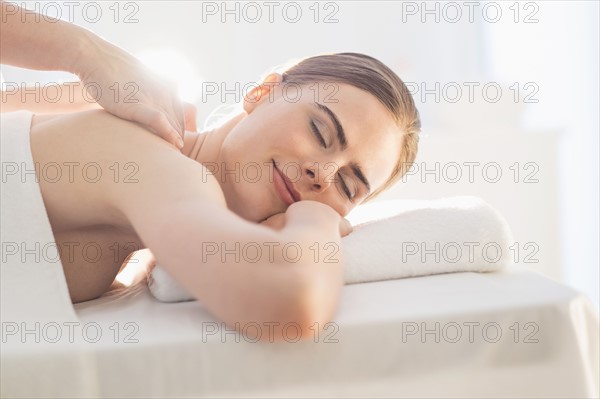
284	187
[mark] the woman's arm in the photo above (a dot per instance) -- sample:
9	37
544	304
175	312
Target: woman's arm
178	210
212	252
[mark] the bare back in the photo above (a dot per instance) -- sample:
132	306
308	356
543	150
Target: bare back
77	166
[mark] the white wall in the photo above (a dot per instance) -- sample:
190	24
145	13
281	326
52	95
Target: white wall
557	55
560	53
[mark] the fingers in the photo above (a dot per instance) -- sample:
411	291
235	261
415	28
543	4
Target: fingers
190	111
163	125
276	221
155	103
345	227
158	122
177	117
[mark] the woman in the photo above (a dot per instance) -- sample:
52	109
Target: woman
295	165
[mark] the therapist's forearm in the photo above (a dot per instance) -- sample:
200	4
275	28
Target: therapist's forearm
62	47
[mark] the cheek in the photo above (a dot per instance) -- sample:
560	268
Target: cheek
285	146
287	130
263	136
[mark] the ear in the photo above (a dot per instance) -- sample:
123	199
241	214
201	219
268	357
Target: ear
262	92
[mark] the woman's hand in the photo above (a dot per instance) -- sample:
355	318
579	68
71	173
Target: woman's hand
125	87
278	221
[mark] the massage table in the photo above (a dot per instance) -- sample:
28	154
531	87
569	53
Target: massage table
511	333
503	333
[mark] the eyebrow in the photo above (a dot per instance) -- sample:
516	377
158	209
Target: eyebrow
341	138
341	135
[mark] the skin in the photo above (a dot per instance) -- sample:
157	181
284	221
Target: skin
127	88
171	210
289	140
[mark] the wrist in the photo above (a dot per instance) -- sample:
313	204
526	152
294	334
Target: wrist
94	53
86	52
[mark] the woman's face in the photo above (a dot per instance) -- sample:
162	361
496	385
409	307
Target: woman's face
281	133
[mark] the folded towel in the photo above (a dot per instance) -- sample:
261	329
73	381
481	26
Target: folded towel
421	237
405	238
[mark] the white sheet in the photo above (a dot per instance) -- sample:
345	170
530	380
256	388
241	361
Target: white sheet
177	356
34	291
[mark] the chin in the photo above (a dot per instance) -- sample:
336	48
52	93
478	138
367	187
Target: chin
253	203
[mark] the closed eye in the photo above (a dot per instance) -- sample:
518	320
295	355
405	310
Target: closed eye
319	137
317	134
347	192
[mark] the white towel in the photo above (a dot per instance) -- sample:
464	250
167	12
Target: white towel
35	302
420	237
405	238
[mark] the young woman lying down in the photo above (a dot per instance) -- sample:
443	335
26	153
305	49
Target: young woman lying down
279	175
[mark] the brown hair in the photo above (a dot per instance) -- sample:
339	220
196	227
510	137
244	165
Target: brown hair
370	75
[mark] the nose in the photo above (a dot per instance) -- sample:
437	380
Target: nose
319	176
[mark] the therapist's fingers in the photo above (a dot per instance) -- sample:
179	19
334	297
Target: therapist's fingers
176	116
161	97
166	119
157	121
128	89
190	112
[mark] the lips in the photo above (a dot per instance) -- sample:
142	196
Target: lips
284	187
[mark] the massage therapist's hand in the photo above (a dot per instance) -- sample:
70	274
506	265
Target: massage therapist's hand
129	90
278	221
124	86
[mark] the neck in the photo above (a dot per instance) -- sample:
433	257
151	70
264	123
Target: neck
205	146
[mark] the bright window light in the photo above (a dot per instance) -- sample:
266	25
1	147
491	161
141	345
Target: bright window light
175	67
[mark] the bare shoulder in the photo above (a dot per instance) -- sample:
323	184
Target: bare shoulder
125	165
